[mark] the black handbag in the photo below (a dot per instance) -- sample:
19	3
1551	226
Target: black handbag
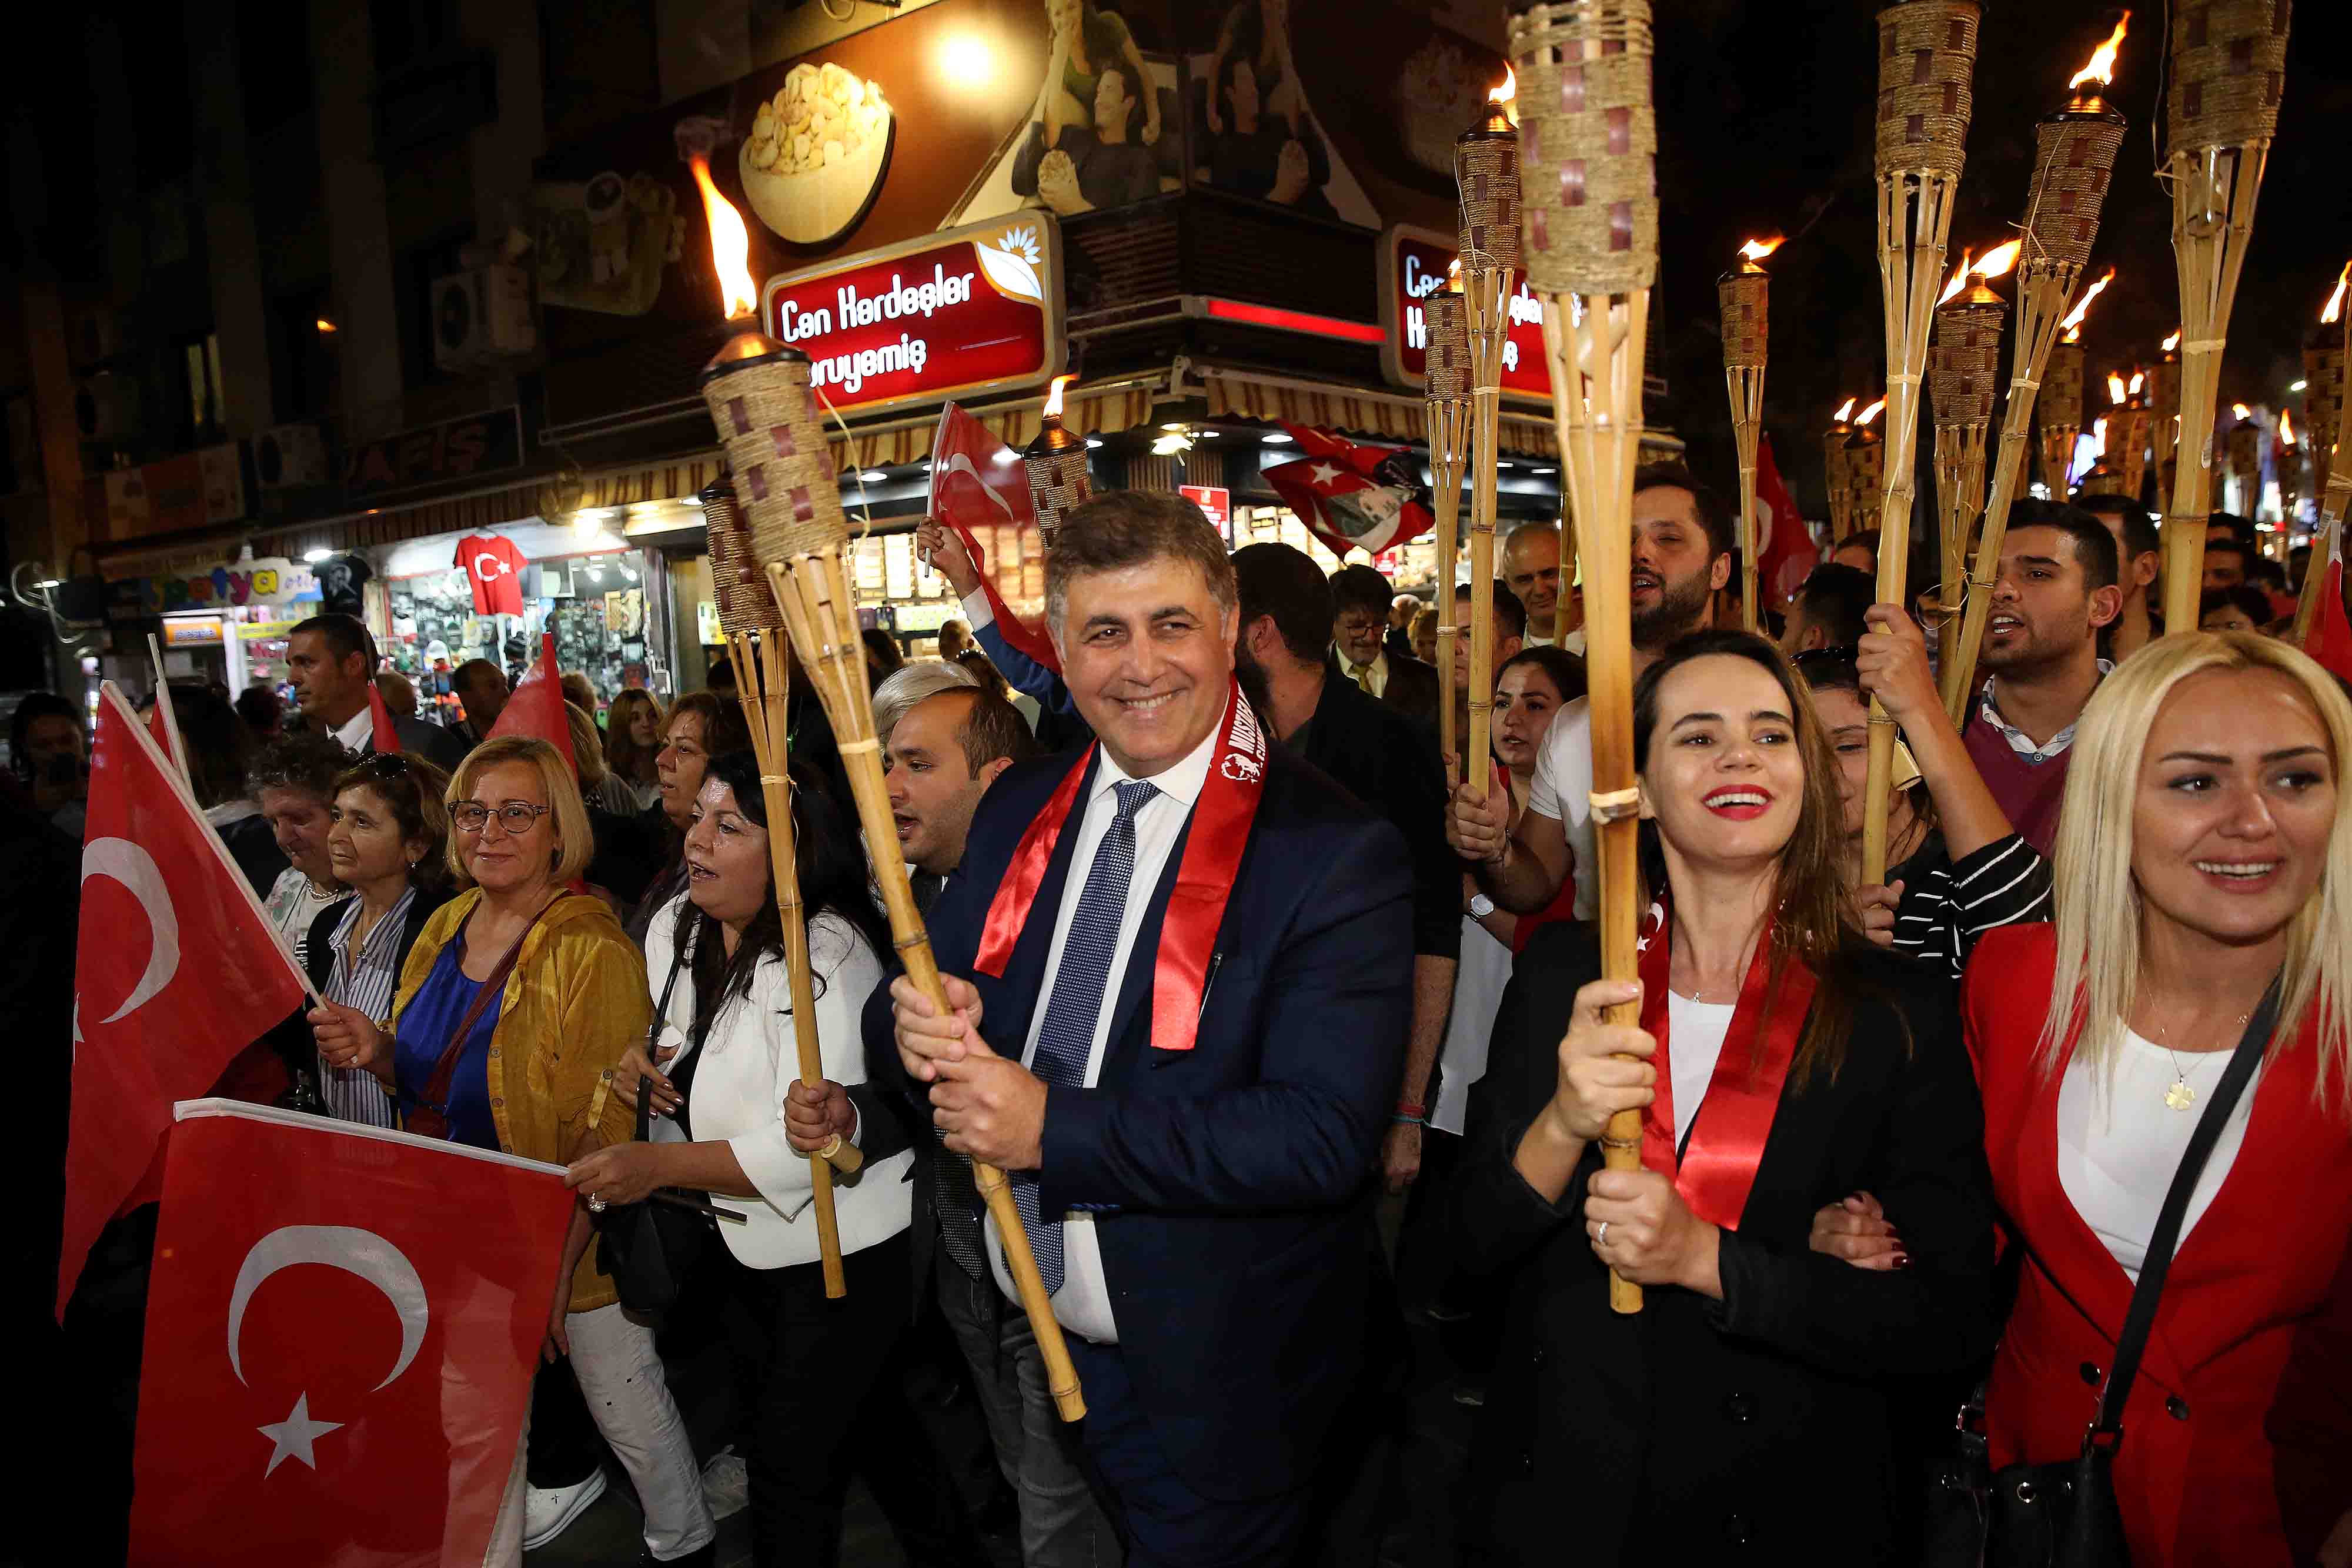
2063	1515
650	1248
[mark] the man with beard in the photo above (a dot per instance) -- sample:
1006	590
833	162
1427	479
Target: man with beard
2056	589
1381	757
1531	570
1681	555
2139	560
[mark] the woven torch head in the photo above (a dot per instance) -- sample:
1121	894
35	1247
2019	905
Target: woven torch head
1745	297
2229	63
745	604
1486	175
2074	155
1927	71
1587	145
2323	382
2061	405
1964	363
766	415
1055	463
1447	315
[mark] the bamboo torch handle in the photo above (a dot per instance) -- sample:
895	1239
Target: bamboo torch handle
1446	469
810	617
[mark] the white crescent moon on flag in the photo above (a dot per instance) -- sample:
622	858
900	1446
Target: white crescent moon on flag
135	868
962	464
344	1247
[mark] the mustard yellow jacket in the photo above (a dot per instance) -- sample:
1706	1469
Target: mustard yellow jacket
575	1003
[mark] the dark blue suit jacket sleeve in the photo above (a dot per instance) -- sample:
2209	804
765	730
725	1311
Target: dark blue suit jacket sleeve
1332	1010
1026	673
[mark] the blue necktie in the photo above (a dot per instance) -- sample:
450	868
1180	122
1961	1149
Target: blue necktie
1067	1037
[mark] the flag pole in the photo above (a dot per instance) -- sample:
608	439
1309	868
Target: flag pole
109	693
179	747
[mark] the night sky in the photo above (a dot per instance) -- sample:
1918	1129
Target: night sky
1764	126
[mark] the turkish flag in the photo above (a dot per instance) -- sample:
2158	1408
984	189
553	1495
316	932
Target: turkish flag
382	734
2330	641
494	565
536	709
979	483
340	1335
1353	497
178	970
1788	553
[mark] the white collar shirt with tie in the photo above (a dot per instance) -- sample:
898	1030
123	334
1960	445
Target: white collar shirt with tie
357	733
1083	1304
1372	677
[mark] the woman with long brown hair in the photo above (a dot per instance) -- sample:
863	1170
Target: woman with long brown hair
1780	1062
633	737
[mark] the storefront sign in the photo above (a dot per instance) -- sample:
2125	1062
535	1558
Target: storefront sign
432	453
1413	265
192	634
1217	504
274	583
974	310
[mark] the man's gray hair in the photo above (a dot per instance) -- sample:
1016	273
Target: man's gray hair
915	683
1122	528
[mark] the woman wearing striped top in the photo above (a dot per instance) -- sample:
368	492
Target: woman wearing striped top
387	838
1956	869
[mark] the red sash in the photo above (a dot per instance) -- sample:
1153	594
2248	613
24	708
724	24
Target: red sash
1204	878
1714	1172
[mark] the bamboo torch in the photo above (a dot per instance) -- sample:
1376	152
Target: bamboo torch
1055	467
2289	473
2106	476
2134	414
1745	293
750	626
1866	468
2074	155
1962	371
1833	469
1445	315
2229	61
1927	64
755	638
2243	445
2164	418
1486	173
2061	409
2327	408
1588	172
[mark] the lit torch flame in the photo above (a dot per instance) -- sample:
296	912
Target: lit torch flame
2073	322
2099	434
2116	393
2242	412
2286	431
1508	90
2137	378
1844	409
2000	259
2102	68
730	245
1758	249
1453	276
1866	415
2172	342
1054	396
2327	318
1959	281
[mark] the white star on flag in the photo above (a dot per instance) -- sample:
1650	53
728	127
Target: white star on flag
1324	473
295	1434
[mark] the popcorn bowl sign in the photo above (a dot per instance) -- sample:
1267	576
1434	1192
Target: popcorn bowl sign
970	309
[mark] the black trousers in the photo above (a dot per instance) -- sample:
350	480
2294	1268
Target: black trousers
826	1380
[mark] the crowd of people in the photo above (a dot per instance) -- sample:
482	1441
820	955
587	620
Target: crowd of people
1253	992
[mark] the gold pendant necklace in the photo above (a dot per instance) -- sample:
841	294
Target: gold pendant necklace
2180	1097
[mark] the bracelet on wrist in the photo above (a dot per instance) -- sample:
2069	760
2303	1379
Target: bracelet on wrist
1401	1120
1412	1108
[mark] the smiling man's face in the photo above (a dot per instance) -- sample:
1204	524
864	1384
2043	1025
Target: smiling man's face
1148	654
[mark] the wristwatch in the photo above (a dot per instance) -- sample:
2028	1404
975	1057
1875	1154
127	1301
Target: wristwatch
1481	907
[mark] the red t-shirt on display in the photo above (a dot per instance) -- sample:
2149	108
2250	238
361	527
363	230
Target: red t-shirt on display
494	567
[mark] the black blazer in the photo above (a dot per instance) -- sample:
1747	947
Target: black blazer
1231	1181
1388	764
1410	690
319	956
1763	1420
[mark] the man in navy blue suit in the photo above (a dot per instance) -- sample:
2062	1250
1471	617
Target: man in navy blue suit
1180	968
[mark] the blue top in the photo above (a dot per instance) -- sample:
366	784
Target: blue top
426	1026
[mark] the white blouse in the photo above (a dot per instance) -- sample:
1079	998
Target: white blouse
2119	1144
1695	1032
749	1060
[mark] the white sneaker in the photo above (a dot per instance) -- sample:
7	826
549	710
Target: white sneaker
726	1484
548	1511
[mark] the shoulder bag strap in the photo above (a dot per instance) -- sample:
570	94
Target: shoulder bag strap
2141	1318
445	1070
653	1036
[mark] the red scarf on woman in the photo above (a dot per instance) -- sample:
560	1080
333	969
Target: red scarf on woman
1715	1169
1204	878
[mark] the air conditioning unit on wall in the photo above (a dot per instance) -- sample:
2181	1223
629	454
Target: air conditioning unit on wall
480	316
288	456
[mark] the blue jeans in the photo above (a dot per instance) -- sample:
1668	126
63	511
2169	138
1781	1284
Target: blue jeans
1062	1526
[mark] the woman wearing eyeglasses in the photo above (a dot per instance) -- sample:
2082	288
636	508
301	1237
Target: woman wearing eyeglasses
516	1003
388	842
1955	867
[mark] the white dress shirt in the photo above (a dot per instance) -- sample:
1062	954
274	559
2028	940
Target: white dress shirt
1083	1304
1563	791
357	733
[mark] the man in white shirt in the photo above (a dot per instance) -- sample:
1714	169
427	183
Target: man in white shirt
1681	555
330	663
1531	570
1196	955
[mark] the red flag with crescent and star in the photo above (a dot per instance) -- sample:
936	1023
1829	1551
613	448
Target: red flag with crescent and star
1788	553
2330	639
340	1335
536	708
177	971
1353	497
980	484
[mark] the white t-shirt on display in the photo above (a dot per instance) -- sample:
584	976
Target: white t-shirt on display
1563	791
1695	1032
2119	1144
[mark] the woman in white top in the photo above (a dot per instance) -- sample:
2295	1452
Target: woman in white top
822	1375
2203	855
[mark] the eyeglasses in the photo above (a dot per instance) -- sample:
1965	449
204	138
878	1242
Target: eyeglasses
472	816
